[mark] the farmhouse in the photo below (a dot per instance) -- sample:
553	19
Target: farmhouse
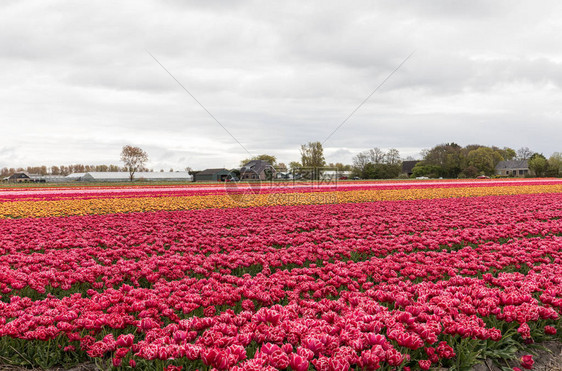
24	176
512	168
212	175
408	166
257	169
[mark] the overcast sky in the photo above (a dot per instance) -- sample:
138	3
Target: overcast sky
77	83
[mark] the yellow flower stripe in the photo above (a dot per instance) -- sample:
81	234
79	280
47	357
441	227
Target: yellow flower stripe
38	209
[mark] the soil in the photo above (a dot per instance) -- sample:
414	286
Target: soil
82	367
545	360
549	359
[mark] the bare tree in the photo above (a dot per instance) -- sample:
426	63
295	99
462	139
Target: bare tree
524	153
393	156
376	155
272	160
360	161
134	159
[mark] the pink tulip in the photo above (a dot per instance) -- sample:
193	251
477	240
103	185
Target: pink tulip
298	363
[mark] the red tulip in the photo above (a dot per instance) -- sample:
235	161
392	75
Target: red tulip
527	362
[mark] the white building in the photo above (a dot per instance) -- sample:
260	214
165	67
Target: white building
122	176
334	174
74	176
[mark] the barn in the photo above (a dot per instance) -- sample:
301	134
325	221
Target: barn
24	176
257	169
212	175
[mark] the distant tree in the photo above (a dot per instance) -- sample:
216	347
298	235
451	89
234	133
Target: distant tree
538	164
386	171
376	156
281	167
33	170
272	160
312	155
359	163
294	165
339	166
78	168
471	147
555	164
369	171
447	157
393	157
64	170
506	152
376	164
484	159
524	153
430	171
469	172
134	159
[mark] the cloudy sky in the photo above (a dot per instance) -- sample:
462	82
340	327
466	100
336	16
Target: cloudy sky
77	82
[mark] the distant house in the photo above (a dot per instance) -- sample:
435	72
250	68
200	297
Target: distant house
512	168
212	175
408	166
24	176
123	176
19	177
257	170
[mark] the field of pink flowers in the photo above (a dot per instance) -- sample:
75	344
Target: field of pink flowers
404	285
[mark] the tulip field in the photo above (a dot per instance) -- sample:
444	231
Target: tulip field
351	275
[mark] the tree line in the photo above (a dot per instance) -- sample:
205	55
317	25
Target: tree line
451	160
133	159
377	164
61	170
448	160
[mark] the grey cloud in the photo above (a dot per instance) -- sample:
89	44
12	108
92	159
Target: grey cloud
276	75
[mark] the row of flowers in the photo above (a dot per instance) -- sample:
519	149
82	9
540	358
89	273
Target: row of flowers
60	252
72	203
73	192
330	286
